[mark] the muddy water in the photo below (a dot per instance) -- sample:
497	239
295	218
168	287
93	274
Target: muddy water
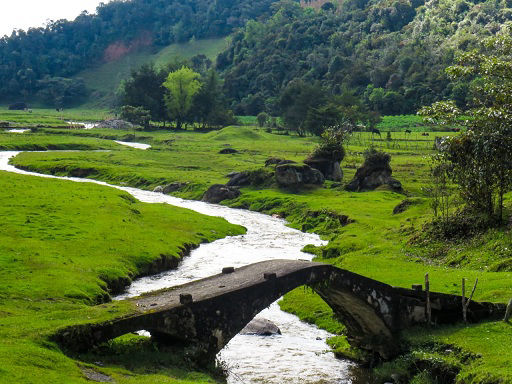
300	355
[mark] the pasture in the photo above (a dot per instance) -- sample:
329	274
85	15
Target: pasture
376	243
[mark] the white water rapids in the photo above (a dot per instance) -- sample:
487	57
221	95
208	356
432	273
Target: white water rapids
298	356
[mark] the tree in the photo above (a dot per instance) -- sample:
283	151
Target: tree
144	89
136	115
296	101
263	119
183	85
480	158
209	108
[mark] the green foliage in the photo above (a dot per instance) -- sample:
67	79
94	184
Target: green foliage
144	89
183	85
375	243
479	160
263	118
296	101
331	144
375	159
136	115
61	92
392	53
63	48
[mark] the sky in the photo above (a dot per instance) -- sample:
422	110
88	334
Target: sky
23	14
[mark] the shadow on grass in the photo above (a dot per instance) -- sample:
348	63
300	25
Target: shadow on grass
140	355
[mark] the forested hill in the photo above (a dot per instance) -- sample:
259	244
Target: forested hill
392	53
42	59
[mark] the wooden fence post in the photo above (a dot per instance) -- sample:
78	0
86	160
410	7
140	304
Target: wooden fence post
465	304
508	313
428	306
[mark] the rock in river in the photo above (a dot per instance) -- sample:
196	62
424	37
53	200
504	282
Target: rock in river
218	192
261	327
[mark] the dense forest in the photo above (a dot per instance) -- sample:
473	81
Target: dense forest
33	60
391	53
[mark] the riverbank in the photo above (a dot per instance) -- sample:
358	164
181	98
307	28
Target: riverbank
374	244
65	246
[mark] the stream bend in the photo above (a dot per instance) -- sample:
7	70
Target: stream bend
300	355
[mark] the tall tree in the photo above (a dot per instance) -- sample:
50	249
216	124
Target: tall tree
480	158
183	85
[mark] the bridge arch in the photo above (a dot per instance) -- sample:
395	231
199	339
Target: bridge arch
206	314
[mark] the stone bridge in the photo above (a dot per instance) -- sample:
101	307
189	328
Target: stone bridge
205	315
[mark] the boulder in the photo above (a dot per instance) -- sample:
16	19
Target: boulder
239	179
261	327
276	161
402	207
115	124
293	175
330	169
368	179
218	192
169	188
227	151
272	161
257	177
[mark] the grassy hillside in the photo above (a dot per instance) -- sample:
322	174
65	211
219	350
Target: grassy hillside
104	79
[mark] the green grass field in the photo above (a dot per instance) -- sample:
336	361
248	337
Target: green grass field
376	244
63	246
50	117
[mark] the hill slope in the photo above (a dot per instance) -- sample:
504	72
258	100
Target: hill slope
29	60
103	80
392	53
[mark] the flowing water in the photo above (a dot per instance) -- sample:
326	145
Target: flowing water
300	355
134	145
18	130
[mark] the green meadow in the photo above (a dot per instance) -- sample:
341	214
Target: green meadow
64	248
376	243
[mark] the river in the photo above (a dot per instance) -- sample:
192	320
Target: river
300	355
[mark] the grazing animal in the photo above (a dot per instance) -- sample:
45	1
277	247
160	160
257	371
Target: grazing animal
425	134
408	131
375	131
456	129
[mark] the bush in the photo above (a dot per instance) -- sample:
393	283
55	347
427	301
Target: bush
263	119
376	159
136	115
331	146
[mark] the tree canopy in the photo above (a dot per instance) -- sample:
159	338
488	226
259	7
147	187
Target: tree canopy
479	160
183	85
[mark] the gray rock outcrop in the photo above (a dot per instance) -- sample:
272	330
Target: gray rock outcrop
219	192
330	169
294	175
169	188
368	179
261	327
239	179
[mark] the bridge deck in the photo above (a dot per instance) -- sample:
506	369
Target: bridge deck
220	284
